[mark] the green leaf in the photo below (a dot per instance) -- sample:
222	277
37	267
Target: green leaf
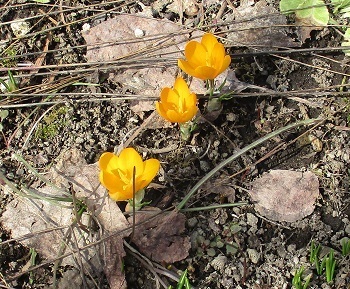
314	12
346	41
3	114
288	6
340	4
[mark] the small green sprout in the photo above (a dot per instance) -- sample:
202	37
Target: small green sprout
183	282
314	252
33	255
341	6
320	265
345	247
298	281
330	266
11	85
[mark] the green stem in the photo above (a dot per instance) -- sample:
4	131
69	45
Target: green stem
213	207
238	154
211	88
185	130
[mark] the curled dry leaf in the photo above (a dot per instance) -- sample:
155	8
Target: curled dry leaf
260	25
159	236
26	216
190	7
284	195
152	57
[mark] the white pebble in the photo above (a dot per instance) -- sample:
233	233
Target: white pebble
86	27
139	33
20	28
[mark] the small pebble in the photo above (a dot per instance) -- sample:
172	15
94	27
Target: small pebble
281	251
205	167
192	222
291	248
219	262
347	229
253	255
139	32
86	27
20	28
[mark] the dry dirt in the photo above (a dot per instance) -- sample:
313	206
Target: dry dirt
71	100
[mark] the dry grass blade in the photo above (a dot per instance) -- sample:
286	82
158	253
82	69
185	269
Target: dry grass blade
102	62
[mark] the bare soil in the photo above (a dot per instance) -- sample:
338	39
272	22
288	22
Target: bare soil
230	247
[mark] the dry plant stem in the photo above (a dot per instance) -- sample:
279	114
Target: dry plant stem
148	264
87	246
9	140
214	207
31	235
218	131
32	195
40	177
137	132
313	92
78	258
133	203
63	247
239	153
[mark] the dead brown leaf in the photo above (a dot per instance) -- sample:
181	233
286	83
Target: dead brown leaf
160	236
284	195
261	25
27	216
155	54
305	28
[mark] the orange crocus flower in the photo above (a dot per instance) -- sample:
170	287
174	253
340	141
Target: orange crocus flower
116	173
205	60
177	104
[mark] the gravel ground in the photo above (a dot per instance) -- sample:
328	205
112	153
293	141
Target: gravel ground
230	247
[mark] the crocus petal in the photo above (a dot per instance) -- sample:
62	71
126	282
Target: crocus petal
205	60
186	67
174	116
206	72
120	195
169	97
188	115
117	173
194	53
217	56
181	87
209	41
151	168
161	110
108	162
110	181
128	159
225	64
191	100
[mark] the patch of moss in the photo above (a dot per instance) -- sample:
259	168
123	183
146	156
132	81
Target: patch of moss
51	124
9	59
